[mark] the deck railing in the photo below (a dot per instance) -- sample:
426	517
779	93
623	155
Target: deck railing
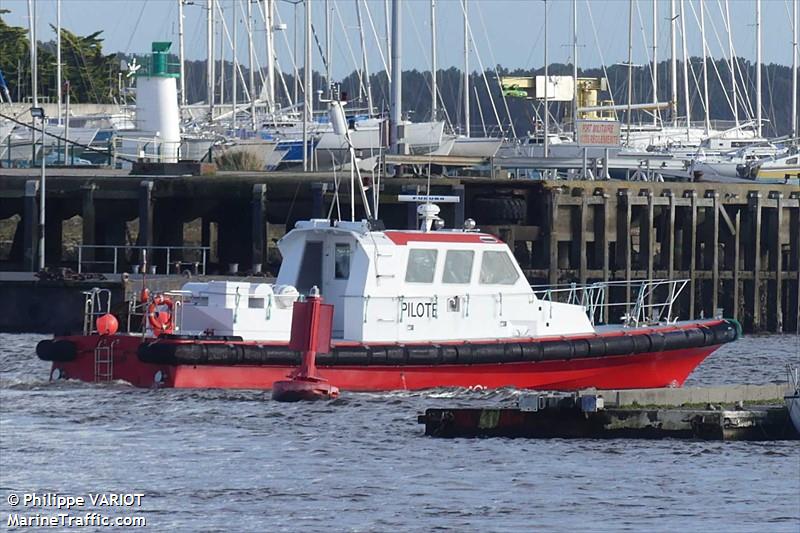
87	261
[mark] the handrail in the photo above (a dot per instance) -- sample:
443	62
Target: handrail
200	265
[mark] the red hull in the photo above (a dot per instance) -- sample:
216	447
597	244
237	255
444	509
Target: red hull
644	370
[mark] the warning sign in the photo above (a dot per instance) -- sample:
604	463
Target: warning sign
598	133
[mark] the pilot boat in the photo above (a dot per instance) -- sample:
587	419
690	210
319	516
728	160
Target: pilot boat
413	309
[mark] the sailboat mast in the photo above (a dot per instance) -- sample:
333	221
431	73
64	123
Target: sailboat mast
307	90
328	40
546	144
731	66
181	52
434	86
210	57
630	69
397	82
389	30
466	69
705	68
235	80
794	71
673	65
364	64
655	62
58	58
575	65
686	100
269	27
758	65
221	55
251	84
34	69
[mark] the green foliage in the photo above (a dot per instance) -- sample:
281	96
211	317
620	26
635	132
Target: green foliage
92	75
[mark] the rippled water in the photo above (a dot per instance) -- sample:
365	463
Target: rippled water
234	460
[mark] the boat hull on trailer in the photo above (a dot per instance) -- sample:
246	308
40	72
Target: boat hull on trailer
617	359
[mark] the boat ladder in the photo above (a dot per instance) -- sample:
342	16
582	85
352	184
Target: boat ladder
104	360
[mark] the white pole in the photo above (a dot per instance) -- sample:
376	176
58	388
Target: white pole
794	71
221	55
758	65
575	65
434	86
58	58
235	80
34	66
328	41
705	68
546	110
307	92
397	74
210	57
181	54
389	29
251	83
630	69
686	100
655	61
42	205
269	25
730	64
673	65
466	69
364	64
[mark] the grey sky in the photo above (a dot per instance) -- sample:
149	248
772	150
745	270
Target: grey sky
513	27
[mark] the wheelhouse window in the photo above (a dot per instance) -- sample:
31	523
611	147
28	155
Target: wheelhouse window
458	266
421	266
342	261
497	268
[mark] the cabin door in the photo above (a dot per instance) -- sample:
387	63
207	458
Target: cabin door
310	273
336	272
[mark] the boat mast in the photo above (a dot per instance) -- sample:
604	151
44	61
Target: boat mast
434	87
397	82
758	65
58	57
575	65
181	53
389	30
466	69
251	59
794	71
210	57
307	89
655	63
235	80
730	64
34	69
705	68
328	39
364	64
673	66
269	27
221	55
630	69
686	100
546	144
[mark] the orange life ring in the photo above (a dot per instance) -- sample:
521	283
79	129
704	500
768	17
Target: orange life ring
161	321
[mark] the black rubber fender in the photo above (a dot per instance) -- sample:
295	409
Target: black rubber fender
580	348
555	350
531	351
56	350
641	343
619	345
597	346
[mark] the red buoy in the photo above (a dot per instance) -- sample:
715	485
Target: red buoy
311	333
107	324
